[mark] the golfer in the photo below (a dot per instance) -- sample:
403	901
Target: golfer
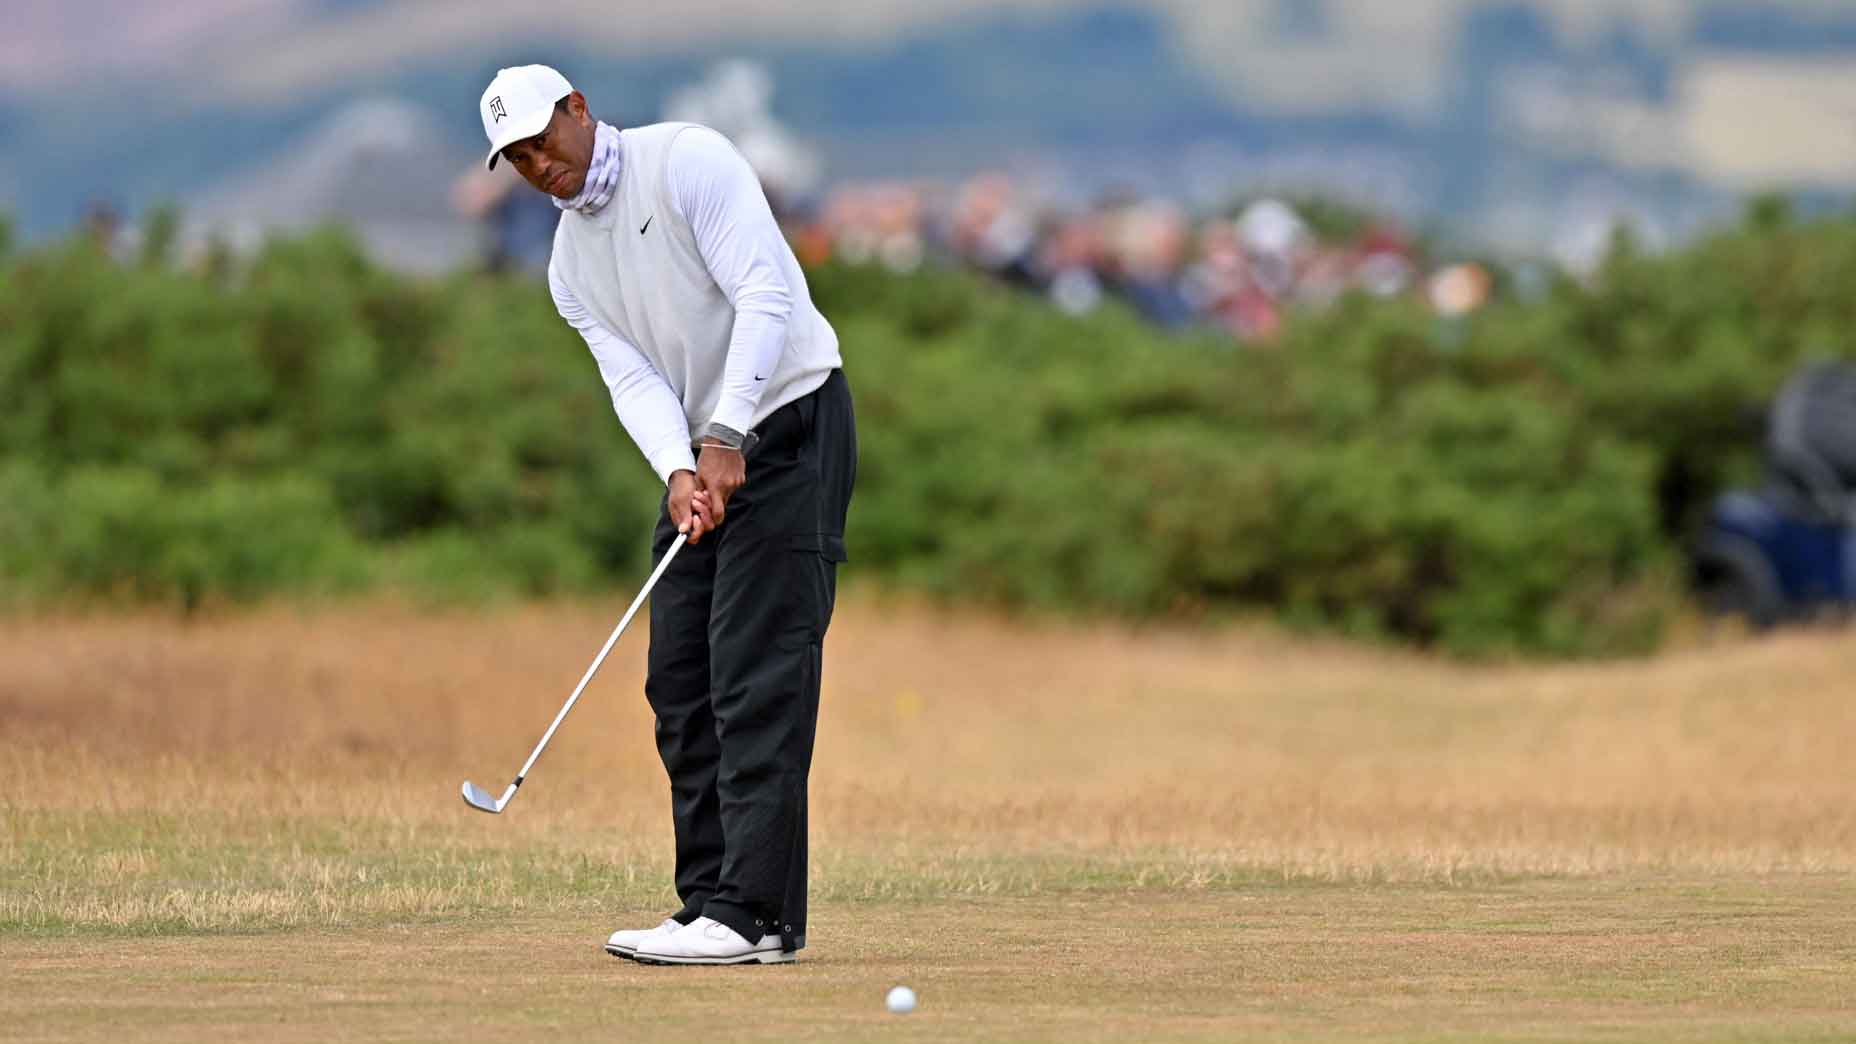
668	261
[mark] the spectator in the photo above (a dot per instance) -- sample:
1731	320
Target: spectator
518	227
993	229
1150	247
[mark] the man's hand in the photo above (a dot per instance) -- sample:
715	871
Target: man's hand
690	508
719	472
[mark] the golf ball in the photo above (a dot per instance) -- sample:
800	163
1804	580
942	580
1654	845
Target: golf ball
901	1000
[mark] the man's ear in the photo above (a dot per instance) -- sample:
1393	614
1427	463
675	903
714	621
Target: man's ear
576	107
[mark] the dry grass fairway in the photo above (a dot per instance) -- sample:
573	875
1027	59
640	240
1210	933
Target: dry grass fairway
248	828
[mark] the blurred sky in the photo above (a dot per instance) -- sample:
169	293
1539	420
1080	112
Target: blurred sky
1472	111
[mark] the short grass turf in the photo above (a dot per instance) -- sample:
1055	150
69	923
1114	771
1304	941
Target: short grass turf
247	828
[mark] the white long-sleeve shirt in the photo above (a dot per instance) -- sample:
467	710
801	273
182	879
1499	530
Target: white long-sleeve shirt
716	192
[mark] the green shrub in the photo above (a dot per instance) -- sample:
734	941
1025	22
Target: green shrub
1519	482
124	533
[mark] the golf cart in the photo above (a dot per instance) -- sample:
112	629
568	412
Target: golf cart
1787	551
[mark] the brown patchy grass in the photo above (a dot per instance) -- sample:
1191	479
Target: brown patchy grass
1068	832
1558	960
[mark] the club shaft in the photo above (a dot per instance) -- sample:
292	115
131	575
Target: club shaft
675	546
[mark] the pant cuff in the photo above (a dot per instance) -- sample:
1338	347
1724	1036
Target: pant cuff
692	907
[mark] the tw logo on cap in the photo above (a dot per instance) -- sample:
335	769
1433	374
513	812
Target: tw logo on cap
496	108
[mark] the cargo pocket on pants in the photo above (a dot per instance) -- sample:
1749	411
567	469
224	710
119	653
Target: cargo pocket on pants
809	567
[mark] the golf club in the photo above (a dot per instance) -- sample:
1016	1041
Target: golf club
479	798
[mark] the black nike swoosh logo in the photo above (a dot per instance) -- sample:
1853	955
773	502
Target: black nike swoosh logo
758	377
647	224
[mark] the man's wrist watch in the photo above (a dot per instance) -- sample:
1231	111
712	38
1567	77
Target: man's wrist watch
728	438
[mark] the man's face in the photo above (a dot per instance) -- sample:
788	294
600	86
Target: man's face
556	160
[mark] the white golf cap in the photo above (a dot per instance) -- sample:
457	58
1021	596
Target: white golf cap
518	104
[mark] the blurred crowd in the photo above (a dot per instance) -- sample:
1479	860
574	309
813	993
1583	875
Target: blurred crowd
1241	272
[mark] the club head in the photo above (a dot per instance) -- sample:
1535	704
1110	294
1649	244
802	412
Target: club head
480	799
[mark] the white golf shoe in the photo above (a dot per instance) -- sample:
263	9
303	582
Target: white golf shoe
625	943
707	941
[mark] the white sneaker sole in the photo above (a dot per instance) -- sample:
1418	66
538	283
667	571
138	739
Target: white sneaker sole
621	952
756	957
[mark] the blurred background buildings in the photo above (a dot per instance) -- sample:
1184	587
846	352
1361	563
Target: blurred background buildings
1499	115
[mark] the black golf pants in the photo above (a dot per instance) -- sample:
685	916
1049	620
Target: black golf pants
737	628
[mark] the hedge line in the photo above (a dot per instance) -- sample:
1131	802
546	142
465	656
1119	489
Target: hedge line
1517	482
